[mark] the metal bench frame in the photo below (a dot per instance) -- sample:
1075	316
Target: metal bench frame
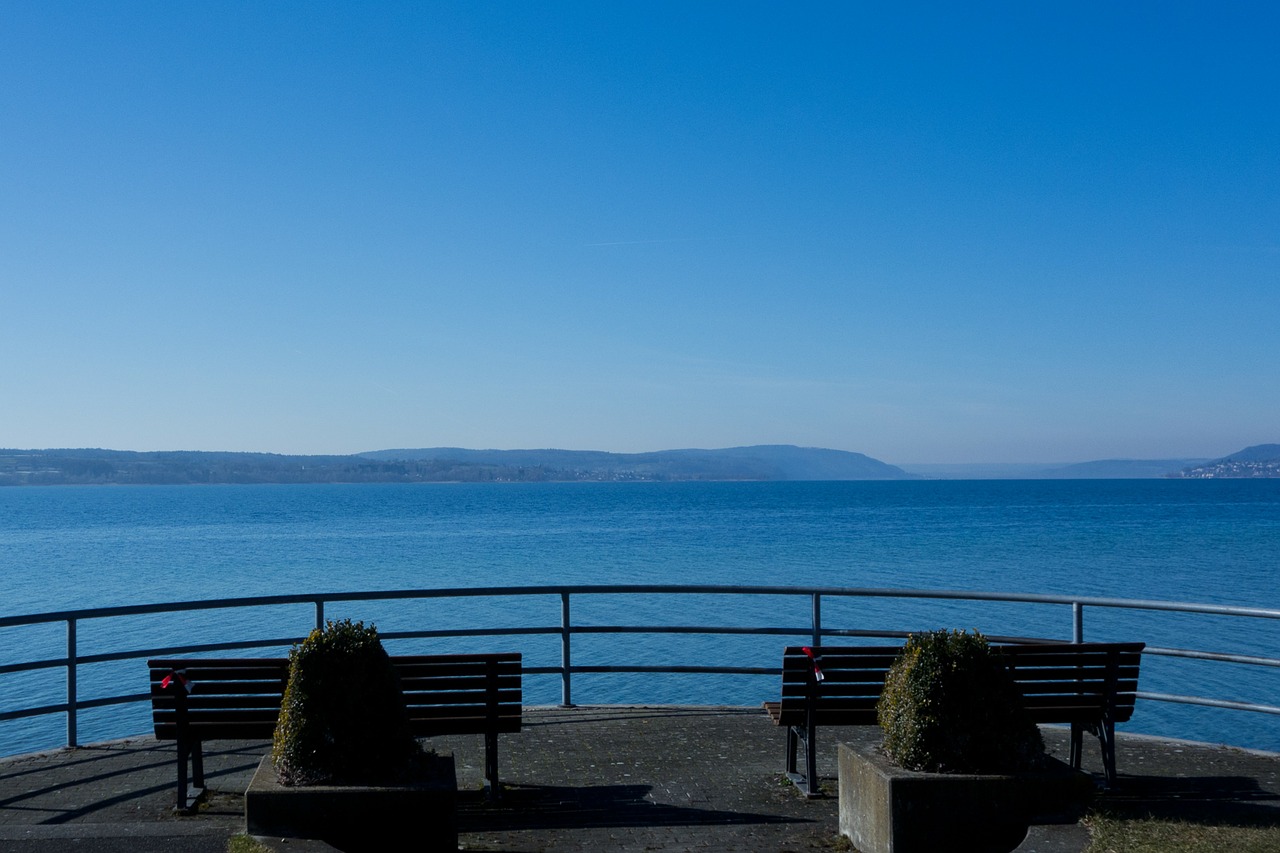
199	699
1089	686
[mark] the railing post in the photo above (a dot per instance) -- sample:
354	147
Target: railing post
566	695
319	614
1077	622
71	683
817	619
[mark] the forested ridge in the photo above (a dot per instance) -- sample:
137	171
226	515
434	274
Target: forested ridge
123	467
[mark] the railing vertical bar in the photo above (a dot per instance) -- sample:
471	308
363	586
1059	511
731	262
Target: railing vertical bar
72	698
319	614
1077	622
817	619
566	694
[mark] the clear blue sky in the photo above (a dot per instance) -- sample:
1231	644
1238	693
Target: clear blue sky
930	233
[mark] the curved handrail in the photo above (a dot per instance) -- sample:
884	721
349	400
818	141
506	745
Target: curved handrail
567	629
622	589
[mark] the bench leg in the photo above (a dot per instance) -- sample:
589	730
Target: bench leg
192	753
491	764
811	760
792	745
1077	744
197	765
183	749
1107	740
808	780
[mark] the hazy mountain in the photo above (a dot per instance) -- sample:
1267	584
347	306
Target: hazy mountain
445	464
1257	453
456	464
1261	460
1121	469
980	470
760	462
1102	469
176	467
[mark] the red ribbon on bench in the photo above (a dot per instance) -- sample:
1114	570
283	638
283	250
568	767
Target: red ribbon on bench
817	670
180	676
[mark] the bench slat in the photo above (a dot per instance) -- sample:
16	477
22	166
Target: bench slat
219	731
795	690
1061	673
198	717
479	681
474	697
1092	687
167	702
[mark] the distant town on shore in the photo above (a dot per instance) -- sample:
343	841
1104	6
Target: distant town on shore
452	464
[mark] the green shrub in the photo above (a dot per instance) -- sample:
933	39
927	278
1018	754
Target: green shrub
949	705
342	720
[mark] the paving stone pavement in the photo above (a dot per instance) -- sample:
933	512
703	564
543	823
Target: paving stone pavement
589	778
653	779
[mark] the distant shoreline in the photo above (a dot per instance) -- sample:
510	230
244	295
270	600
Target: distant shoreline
760	463
765	463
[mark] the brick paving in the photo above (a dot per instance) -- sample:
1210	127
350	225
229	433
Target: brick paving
590	778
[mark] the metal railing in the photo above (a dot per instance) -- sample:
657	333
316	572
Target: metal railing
815	631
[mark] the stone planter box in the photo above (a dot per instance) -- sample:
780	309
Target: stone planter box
358	817
886	809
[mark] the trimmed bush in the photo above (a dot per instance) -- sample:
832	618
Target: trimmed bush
949	705
342	720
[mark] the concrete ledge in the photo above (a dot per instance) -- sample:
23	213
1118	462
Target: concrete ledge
358	817
886	809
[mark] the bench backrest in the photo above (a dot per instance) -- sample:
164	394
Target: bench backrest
451	694
853	677
239	698
1072	682
1060	682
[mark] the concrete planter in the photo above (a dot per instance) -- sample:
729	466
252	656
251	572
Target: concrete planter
354	818
886	809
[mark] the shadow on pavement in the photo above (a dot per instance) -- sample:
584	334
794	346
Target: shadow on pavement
549	807
1209	800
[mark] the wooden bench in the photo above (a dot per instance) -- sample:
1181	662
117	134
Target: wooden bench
194	700
1085	685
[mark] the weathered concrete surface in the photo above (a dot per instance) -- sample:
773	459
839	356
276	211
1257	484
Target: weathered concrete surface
886	809
368	817
590	778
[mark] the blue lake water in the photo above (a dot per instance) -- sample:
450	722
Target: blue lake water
1212	541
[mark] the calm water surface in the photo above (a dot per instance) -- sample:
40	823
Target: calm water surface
1200	541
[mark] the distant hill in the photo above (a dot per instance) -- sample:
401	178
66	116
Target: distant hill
178	467
449	464
760	462
1257	453
979	470
1121	469
1102	469
90	466
1261	460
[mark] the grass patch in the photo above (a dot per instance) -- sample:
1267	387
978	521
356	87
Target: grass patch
246	844
1114	834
